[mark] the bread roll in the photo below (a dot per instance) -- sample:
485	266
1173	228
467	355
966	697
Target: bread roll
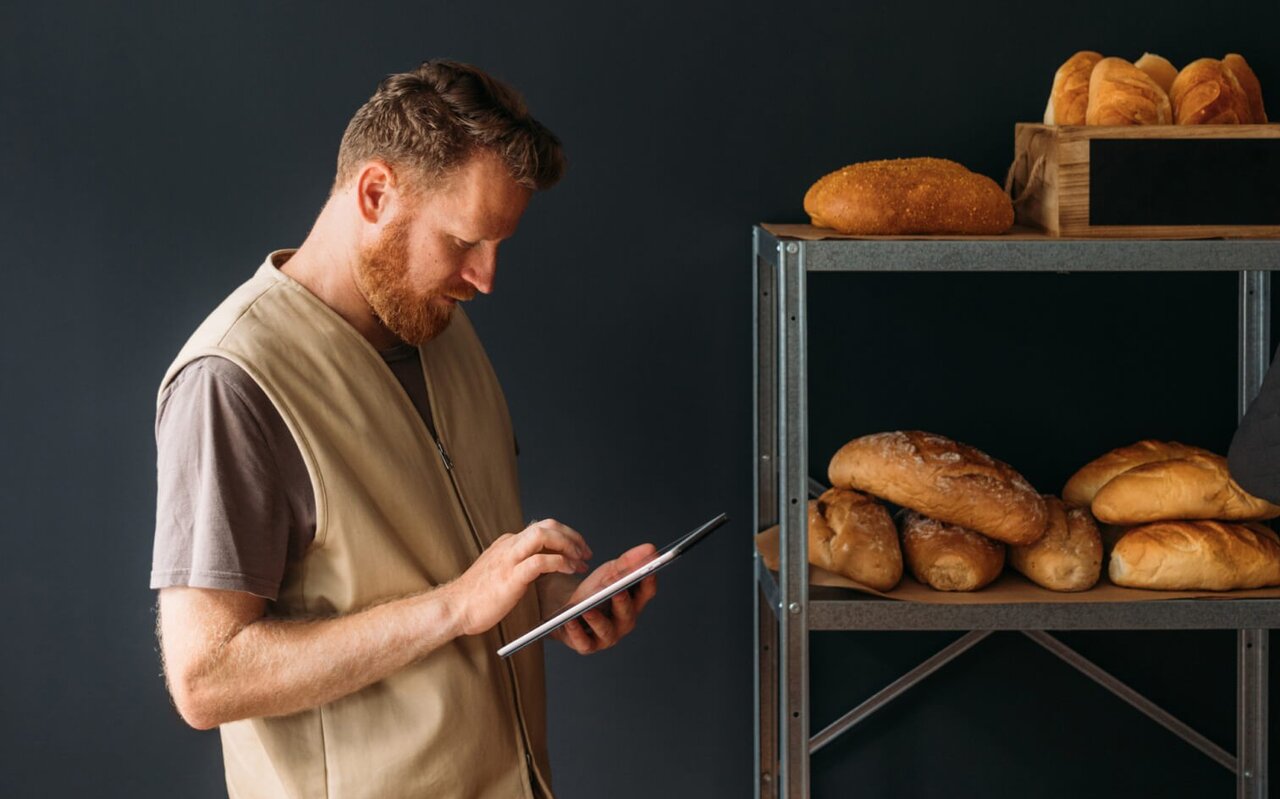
1159	68
942	479
1084	484
1249	83
1196	556
1207	93
949	557
853	535
1070	95
1197	486
1122	94
908	196
1068	557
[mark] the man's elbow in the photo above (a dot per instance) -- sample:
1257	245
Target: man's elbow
193	703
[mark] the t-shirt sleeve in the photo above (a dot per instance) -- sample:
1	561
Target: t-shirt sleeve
222	515
1254	455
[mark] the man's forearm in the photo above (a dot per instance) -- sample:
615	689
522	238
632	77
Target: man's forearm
272	667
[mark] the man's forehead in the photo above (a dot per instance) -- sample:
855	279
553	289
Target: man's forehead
479	198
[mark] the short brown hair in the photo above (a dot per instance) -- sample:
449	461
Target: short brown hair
433	118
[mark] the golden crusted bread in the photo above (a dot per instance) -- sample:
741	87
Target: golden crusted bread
1249	83
942	479
1068	557
908	196
1207	93
1122	94
1069	97
1159	68
1084	484
1196	556
949	557
853	535
1195	486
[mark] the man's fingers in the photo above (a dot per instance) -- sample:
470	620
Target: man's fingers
602	627
552	536
577	638
647	589
535	566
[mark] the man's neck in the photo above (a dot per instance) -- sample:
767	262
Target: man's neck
327	271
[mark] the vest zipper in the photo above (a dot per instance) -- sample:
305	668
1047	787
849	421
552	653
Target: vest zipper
530	772
448	467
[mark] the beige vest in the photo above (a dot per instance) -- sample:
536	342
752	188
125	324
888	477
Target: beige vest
392	518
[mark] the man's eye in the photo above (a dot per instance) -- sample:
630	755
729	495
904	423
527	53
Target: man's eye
465	245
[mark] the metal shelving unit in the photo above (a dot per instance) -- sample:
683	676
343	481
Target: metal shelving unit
786	610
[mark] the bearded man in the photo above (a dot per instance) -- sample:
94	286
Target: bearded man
339	549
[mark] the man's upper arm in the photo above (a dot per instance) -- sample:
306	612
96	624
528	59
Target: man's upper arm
223	516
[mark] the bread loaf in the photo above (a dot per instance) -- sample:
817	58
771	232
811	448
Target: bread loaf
1249	83
1068	557
1084	484
1069	98
1159	68
853	535
1122	94
1196	486
1207	93
908	196
949	557
942	479
1195	556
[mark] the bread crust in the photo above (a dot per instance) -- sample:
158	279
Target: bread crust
1084	484
1068	557
853	535
945	480
1195	486
1069	98
1249	83
1122	94
1161	70
904	196
948	557
1207	93
1196	556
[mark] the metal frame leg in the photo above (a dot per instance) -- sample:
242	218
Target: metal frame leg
793	452
766	437
1252	645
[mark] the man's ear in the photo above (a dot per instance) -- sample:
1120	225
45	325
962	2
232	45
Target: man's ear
377	191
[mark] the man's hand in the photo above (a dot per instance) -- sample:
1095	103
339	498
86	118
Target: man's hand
491	587
603	631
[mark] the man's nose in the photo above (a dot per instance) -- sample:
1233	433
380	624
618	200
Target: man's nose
481	268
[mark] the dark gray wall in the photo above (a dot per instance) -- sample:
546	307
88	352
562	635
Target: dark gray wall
153	153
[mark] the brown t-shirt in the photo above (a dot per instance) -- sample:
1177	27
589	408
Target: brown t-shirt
234	503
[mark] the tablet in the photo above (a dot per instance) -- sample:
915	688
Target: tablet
659	559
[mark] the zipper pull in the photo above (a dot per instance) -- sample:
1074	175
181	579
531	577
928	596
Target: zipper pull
444	456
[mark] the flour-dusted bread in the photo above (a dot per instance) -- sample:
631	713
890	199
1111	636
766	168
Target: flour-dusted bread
944	480
1084	484
1069	98
1195	556
903	196
949	557
1069	555
1195	486
853	535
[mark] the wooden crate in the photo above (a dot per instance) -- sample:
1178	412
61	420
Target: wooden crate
1180	181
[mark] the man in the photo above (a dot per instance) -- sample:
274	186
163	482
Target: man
339	545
